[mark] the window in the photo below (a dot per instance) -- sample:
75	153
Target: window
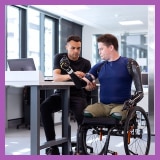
48	47
135	46
41	40
33	38
34	33
13	32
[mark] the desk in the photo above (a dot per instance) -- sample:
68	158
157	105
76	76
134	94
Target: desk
12	79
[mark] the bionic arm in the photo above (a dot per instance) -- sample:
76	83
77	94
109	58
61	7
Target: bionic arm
135	72
65	65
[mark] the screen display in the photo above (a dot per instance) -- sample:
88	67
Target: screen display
23	64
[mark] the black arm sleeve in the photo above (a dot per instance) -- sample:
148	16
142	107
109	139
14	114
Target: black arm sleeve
65	65
135	72
79	83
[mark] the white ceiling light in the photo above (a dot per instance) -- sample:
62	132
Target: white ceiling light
136	22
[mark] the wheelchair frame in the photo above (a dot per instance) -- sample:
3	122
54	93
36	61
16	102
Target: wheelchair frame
135	130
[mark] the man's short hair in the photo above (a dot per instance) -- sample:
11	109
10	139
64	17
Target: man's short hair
108	39
74	38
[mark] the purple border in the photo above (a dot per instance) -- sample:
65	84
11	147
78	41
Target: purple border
2	77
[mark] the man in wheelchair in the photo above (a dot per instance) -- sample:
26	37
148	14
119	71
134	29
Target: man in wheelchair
115	75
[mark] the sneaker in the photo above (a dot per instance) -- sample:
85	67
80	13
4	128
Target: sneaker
52	151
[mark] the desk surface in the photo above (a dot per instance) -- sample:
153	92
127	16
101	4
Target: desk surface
30	78
42	83
50	83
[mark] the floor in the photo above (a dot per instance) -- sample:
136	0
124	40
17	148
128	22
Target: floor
17	141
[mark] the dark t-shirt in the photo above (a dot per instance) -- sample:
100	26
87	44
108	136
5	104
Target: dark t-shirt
81	64
115	80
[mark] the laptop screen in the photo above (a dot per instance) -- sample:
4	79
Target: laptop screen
23	64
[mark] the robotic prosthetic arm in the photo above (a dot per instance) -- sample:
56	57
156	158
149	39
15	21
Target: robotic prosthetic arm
65	65
134	70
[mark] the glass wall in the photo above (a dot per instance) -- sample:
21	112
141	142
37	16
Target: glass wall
48	46
34	33
33	37
31	34
135	46
13	32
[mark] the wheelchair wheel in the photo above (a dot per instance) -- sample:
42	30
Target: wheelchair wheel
137	134
94	139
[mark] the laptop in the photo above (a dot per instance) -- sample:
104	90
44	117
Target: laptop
23	64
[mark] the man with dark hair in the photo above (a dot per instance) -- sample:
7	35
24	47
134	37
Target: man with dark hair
78	96
115	76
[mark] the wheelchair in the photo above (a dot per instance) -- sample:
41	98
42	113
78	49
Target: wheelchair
93	136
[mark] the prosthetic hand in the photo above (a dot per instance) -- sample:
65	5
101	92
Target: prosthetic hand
65	65
128	104
90	77
91	83
133	101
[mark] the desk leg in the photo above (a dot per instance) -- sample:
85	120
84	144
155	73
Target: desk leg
35	120
65	122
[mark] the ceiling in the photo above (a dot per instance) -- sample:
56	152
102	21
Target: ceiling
104	17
